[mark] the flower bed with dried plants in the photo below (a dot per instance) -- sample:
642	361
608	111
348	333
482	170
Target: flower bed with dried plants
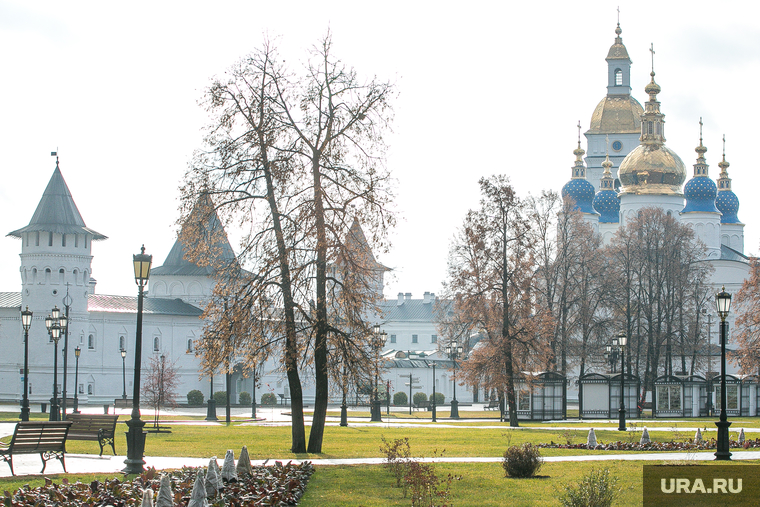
279	484
418	480
688	445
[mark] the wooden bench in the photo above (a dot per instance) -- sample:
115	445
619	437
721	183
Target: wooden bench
492	405
32	437
422	405
100	428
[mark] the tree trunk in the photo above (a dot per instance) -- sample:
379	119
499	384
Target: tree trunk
320	343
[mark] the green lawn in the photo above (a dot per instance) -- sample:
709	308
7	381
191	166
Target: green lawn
481	484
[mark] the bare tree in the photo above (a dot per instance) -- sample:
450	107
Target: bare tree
747	304
159	388
296	160
657	278
491	276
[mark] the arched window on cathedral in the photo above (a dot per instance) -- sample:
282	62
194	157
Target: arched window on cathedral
63	240
189	345
649	127
618	77
50	239
122	343
61	276
91	342
156	344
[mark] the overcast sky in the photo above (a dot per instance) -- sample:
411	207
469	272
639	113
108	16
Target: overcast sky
484	88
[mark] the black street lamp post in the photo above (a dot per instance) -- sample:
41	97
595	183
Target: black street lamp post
723	304
343	404
77	351
454	350
65	329
135	435
612	356
620	342
378	340
124	373
433	404
26	323
253	400
710	410
228	382
55	323
211	411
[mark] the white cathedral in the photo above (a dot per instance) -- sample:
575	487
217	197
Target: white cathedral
629	167
641	171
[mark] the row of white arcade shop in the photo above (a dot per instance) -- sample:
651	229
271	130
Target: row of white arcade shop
673	396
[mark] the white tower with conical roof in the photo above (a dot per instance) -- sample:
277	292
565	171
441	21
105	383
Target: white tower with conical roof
56	259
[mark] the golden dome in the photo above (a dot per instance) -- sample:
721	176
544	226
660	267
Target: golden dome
617	114
652	170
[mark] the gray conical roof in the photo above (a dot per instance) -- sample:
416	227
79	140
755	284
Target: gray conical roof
57	212
357	243
176	264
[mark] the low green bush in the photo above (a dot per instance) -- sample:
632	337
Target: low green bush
597	489
419	398
220	397
195	397
439	398
244	398
400	398
268	399
522	460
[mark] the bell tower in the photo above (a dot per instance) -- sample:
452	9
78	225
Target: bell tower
56	261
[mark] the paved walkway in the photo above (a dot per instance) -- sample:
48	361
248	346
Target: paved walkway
27	465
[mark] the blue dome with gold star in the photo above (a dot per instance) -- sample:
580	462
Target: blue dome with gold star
728	204
578	188
700	191
607	204
582	192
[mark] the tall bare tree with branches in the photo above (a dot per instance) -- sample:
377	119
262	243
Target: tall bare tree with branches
296	160
491	276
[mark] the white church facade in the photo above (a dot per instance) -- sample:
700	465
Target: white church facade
627	167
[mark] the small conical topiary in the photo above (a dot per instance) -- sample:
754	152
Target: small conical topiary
165	497
244	468
698	436
147	499
742	438
645	437
228	467
591	440
198	496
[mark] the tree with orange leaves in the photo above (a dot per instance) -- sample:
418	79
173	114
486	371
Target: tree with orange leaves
492	270
747	303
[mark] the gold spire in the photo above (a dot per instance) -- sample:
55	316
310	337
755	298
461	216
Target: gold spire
724	182
606	182
700	168
652	121
579	170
